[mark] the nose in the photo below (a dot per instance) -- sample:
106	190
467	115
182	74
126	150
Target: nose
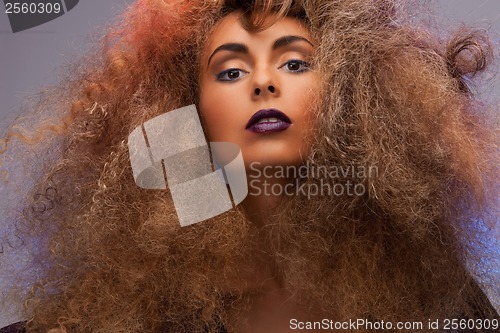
271	89
265	84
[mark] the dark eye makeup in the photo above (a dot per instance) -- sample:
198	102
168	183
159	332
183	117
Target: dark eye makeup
291	66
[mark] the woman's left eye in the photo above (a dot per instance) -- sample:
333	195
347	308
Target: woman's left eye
296	66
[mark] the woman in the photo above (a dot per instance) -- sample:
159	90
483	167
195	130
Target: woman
347	91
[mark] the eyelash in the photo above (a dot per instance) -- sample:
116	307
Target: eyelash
221	75
304	64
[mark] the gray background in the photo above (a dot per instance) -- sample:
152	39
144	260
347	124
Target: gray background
31	59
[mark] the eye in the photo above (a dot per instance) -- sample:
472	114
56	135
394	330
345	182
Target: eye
296	66
231	74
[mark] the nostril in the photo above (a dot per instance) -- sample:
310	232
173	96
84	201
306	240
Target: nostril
271	89
257	91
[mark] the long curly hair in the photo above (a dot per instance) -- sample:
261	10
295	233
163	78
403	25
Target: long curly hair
111	257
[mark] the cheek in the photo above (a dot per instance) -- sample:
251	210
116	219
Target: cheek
303	95
311	86
219	112
209	114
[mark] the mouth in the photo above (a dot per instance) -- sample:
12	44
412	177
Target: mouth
268	120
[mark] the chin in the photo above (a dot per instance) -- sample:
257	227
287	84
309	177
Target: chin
271	160
273	154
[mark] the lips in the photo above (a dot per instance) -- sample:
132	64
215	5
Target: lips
268	120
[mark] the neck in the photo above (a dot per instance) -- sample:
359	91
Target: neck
263	198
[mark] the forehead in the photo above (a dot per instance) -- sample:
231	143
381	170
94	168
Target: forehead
230	29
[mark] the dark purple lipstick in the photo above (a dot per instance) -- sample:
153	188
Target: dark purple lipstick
268	120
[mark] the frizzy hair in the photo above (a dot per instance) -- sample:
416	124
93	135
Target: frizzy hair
114	259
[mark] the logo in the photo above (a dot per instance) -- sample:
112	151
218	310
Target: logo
170	150
24	15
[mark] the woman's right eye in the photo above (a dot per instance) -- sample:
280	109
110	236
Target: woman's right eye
231	74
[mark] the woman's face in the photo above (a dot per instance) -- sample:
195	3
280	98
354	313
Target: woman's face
257	89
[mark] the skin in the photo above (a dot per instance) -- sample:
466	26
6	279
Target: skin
234	85
261	78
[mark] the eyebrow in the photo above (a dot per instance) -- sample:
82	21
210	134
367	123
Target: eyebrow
287	40
242	48
234	47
